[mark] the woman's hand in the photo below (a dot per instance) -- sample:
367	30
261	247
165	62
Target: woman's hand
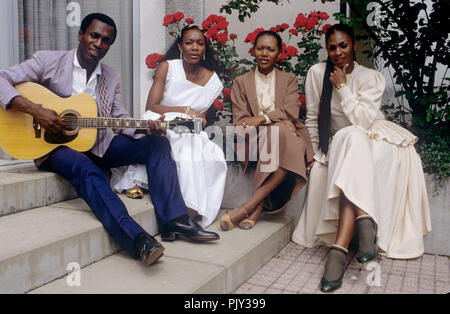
309	167
339	77
290	126
252	121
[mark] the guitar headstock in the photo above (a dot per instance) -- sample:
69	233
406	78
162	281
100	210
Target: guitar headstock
181	126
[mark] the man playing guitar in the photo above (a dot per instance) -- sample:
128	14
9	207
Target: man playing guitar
68	73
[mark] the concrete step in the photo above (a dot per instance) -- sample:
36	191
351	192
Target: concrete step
37	245
23	187
185	268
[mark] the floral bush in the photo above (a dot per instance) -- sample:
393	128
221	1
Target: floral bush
305	34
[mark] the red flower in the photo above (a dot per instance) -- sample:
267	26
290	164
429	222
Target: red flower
312	22
190	20
178	16
168	19
227	93
302	99
233	36
153	59
325	28
291	51
283	56
323	16
252	36
284	26
300	21
218	104
314	14
252	51
293	31
222	38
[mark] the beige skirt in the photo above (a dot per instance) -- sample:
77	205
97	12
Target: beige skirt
380	172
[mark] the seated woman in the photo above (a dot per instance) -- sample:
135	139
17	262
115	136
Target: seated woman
186	85
367	178
268	99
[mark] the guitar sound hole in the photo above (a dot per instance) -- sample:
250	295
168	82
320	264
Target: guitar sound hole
70	122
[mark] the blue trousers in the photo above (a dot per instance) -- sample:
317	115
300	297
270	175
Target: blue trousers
84	172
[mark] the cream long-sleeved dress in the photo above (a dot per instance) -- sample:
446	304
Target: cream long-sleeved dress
371	160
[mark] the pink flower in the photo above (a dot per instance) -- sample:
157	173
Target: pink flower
153	59
190	20
218	104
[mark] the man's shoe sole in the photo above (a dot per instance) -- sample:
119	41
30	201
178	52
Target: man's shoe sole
175	236
154	256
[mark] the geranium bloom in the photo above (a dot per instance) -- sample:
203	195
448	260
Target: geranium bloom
222	38
227	93
312	22
252	36
218	104
291	51
300	21
284	26
302	99
233	36
323	16
153	59
190	20
168	19
283	56
178	16
325	28
293	31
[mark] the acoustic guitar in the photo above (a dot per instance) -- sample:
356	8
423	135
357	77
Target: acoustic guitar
22	138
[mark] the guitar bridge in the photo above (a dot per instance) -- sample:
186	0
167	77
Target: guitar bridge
198	125
37	129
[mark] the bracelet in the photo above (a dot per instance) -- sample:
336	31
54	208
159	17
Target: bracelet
341	85
187	110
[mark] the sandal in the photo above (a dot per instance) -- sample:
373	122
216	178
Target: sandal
249	222
227	224
135	192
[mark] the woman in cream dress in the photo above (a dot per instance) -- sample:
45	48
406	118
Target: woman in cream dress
186	86
367	178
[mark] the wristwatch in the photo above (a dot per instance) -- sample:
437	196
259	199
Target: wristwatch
341	85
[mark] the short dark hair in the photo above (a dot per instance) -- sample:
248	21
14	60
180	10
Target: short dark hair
87	21
273	34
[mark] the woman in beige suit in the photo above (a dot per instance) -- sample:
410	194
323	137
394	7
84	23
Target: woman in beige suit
367	179
266	101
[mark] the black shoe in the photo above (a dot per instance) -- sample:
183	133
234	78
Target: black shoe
148	249
185	227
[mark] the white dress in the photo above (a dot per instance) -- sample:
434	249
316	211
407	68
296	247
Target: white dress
201	164
371	160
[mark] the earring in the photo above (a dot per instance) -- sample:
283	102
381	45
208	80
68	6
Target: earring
181	54
204	56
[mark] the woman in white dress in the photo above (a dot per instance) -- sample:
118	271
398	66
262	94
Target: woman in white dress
367	178
186	85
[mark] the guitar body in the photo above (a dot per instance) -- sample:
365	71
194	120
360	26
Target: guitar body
21	138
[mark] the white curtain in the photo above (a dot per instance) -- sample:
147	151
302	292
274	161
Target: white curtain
43	25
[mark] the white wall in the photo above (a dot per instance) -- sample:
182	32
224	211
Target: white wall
151	36
9	34
270	15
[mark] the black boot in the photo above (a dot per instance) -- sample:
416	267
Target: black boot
185	227
148	249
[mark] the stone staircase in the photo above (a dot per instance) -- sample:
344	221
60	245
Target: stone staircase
45	227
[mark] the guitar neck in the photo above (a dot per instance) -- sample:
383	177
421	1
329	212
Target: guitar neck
114	123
